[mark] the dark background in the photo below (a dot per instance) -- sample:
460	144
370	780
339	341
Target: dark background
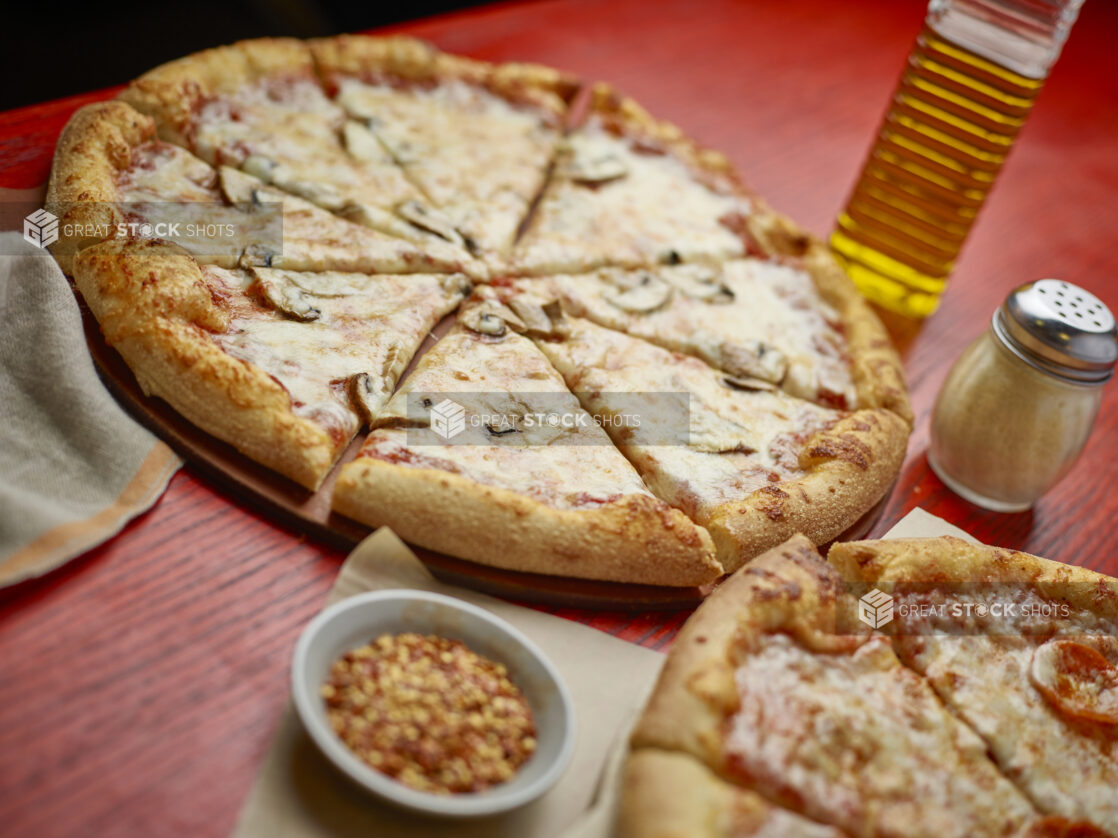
54	49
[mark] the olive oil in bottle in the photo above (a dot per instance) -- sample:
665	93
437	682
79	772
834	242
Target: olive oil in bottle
967	89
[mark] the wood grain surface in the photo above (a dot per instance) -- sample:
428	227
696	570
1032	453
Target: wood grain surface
140	685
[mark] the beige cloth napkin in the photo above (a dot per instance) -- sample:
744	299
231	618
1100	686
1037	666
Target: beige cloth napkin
299	795
74	467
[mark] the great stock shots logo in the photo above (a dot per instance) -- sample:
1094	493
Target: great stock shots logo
448	419
875	609
40	228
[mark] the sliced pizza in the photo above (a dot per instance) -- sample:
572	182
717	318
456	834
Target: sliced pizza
770	685
285	366
515	488
115	178
667	794
1023	649
476	139
629	190
747	461
258	106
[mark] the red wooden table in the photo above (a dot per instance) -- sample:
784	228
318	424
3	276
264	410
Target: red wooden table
141	684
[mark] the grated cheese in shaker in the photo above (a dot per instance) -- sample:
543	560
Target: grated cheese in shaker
1018	405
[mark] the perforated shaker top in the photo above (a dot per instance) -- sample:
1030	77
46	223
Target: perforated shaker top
1061	329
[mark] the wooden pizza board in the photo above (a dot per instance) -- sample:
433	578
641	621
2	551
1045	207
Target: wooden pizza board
309	512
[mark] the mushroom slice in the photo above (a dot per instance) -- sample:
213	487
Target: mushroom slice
285	295
489	318
457	284
536	319
751	385
600	169
241	188
363	144
430	220
259	255
647	294
714	434
753	359
700	282
592	161
1076	678
260	166
322	194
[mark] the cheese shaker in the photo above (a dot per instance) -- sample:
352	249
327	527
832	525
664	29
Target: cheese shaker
1018	405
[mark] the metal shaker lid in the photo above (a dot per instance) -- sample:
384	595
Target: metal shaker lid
1060	329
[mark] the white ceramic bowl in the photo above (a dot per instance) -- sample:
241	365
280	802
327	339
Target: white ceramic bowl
355	621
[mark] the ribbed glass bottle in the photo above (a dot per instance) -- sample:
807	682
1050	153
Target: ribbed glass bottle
968	86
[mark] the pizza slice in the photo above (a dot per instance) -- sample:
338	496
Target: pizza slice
115	178
667	794
485	430
750	318
629	190
745	460
772	688
285	366
258	106
475	138
1023	649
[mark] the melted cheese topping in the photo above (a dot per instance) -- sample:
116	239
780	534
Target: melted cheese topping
475	155
857	739
1066	765
366	324
602	365
287	132
761	302
565	468
166	185
654	208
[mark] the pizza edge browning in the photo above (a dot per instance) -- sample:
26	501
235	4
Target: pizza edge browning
171	92
95	145
635	538
155	309
849	467
931	560
367	58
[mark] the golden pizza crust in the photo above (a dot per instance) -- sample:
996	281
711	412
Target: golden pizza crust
849	468
155	309
94	147
371	58
172	92
634	539
957	562
672	795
